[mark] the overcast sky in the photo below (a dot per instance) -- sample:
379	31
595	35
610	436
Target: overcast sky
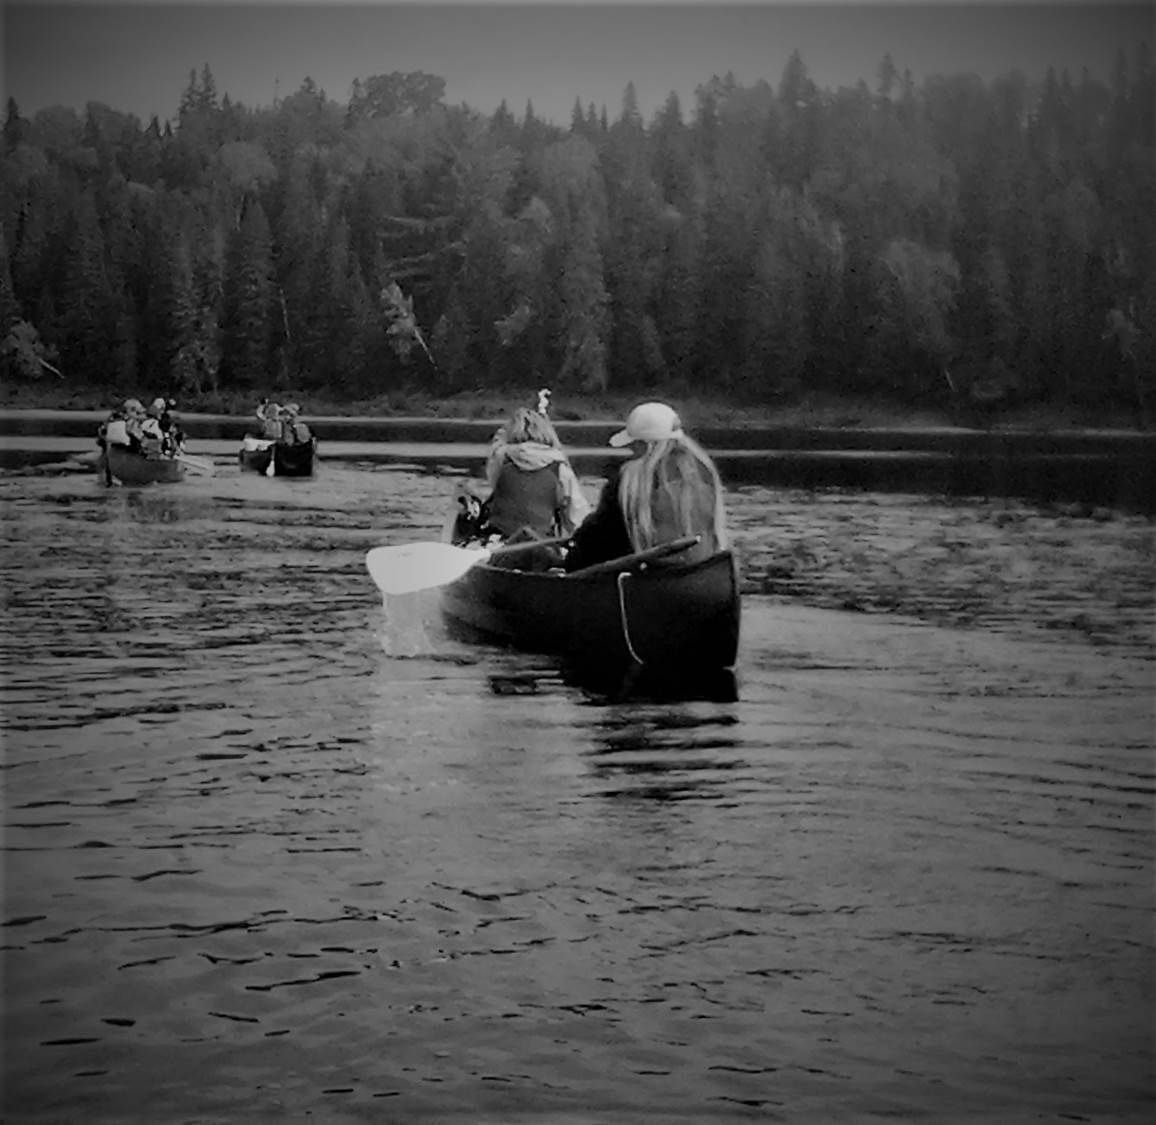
136	57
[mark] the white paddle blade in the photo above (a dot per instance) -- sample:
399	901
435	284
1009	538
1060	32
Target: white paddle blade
409	567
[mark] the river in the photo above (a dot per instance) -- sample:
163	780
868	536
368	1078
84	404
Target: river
275	850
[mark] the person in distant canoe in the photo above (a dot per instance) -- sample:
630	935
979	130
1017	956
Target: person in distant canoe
534	492
134	416
668	489
171	426
153	438
160	421
114	430
293	429
270	415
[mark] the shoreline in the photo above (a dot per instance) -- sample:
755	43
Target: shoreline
898	434
809	413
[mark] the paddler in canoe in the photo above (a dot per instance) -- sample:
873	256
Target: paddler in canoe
294	431
533	491
160	424
668	489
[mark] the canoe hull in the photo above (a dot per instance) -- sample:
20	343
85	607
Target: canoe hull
675	622
289	460
134	468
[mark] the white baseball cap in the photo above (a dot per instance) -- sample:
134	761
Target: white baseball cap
649	421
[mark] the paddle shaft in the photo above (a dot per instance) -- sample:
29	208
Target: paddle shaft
513	548
197	464
626	562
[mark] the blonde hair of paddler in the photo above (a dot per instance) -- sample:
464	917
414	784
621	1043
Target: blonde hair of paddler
529	425
673	468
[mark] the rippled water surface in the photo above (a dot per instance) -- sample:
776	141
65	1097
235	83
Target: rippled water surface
273	850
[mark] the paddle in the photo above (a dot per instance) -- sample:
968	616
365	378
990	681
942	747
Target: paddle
626	562
196	464
410	567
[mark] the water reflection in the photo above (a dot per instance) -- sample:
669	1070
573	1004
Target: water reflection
664	754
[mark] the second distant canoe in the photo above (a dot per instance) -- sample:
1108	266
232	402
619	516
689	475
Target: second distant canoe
289	459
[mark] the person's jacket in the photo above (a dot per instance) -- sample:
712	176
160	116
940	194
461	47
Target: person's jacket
533	486
603	533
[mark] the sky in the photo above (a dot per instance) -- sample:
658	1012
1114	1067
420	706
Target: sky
136	57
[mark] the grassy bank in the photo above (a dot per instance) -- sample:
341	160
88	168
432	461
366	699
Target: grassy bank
805	411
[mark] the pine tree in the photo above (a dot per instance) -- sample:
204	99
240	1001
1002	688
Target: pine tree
582	326
15	128
9	306
247	324
82	306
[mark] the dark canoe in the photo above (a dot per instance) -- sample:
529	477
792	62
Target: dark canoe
290	459
674	623
135	468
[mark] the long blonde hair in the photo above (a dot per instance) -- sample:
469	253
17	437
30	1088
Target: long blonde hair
677	474
529	425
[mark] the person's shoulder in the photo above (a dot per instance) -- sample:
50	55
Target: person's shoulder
612	469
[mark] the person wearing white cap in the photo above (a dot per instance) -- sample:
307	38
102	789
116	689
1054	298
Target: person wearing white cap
669	488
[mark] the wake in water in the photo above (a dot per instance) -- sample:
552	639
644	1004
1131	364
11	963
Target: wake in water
410	628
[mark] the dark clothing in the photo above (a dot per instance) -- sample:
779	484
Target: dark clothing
172	437
526	498
545	557
602	534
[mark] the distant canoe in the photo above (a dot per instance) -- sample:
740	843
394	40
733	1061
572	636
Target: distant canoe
135	468
290	459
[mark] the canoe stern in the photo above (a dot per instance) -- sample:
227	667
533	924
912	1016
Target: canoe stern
678	619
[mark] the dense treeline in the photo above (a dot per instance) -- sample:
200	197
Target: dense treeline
968	239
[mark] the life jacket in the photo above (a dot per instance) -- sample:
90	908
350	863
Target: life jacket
526	498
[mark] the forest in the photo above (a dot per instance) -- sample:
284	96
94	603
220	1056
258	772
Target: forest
956	240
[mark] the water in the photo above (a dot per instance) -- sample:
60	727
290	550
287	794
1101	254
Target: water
273	850
1089	468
